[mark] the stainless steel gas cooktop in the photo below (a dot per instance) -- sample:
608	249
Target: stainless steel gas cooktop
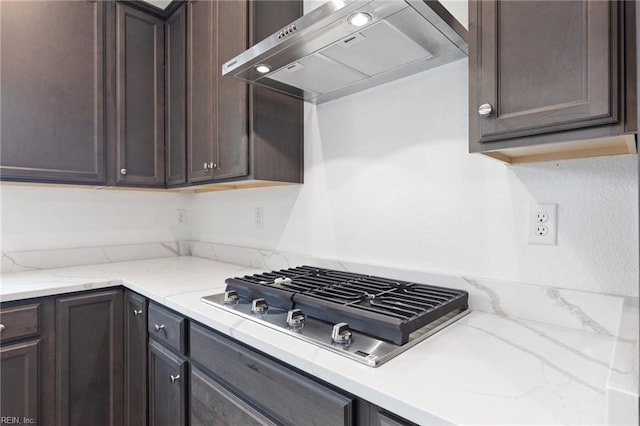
365	318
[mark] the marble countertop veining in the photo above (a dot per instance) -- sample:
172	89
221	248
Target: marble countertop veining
484	369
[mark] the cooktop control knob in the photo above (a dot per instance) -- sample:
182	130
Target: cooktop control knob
231	297
259	306
295	318
341	333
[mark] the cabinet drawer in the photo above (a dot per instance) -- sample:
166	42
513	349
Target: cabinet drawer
19	321
283	394
167	327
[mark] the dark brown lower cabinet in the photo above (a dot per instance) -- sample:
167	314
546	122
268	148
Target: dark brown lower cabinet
89	359
135	359
167	387
27	376
281	393
210	404
382	418
20	390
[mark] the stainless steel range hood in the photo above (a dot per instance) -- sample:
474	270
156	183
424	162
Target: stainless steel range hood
324	55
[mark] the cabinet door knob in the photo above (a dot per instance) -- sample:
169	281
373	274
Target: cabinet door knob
123	171
173	378
158	327
137	312
206	166
1	328
485	110
213	165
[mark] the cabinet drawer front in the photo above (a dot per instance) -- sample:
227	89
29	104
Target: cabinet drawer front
283	394
20	321
167	327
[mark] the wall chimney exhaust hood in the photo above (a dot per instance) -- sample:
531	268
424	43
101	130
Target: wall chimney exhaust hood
345	46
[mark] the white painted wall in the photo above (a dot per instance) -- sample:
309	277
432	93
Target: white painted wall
388	181
41	218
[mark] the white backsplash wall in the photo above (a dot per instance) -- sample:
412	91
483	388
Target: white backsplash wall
389	181
43	218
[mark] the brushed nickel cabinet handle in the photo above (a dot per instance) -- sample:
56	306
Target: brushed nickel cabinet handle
173	378
1	328
137	312
123	171
158	327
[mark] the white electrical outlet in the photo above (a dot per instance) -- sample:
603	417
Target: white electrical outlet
259	217
542	224
181	217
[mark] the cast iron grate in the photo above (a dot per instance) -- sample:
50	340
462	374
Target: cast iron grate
385	308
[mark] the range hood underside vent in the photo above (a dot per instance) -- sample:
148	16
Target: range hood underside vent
330	58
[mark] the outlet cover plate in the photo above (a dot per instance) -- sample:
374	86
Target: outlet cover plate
545	214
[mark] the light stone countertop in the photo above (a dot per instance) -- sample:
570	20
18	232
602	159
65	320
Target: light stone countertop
484	369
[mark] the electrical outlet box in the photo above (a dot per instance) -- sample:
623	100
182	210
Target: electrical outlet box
542	224
259	217
181	217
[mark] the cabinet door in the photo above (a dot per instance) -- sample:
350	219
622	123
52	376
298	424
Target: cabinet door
232	148
176	113
52	91
135	359
89	359
276	125
201	89
167	387
19	387
139	98
213	405
543	66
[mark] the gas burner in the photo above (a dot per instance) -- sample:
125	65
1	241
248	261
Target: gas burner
367	318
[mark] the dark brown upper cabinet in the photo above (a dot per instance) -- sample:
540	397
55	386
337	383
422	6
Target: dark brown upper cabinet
552	79
52	91
217	141
236	134
139	123
121	93
276	122
176	108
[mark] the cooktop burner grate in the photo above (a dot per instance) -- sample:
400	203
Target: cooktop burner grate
384	308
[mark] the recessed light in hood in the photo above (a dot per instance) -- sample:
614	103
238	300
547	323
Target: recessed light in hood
359	19
324	55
